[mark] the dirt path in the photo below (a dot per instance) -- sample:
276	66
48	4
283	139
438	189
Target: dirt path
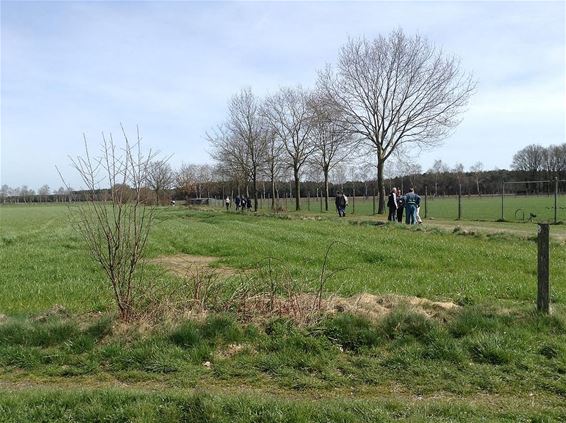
522	230
528	231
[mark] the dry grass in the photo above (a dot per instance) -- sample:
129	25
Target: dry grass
186	265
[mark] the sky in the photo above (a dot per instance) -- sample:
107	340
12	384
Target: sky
169	68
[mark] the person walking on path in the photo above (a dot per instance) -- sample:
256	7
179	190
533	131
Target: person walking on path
412	201
237	201
340	204
392	204
227	203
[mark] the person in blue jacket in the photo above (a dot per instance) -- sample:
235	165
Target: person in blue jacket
412	201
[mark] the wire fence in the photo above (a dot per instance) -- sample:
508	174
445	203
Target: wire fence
525	201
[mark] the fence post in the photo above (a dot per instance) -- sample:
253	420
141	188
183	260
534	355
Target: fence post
425	202
460	202
543	296
353	200
502	195
555	200
374	200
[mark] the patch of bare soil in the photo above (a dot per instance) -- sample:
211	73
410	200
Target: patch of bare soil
187	265
56	311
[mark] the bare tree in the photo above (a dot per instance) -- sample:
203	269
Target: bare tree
193	178
290	117
5	191
241	143
43	192
272	158
477	169
397	90
204	179
438	168
115	225
339	175
331	142
409	169
160	177
555	164
458	169
530	159
25	193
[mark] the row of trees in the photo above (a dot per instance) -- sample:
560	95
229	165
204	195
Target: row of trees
538	162
26	194
381	97
323	177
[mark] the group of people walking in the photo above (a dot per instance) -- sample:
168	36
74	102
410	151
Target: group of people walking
241	203
409	203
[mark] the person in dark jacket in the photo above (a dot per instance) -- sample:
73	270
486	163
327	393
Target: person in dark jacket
249	203
340	204
392	204
400	207
237	201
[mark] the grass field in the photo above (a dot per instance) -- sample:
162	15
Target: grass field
491	357
485	208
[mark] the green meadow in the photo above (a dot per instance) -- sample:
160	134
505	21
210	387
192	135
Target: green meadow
64	356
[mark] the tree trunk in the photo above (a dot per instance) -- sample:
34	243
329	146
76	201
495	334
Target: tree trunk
380	185
272	193
254	181
326	190
297	189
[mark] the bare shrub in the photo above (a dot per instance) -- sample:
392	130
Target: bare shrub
114	219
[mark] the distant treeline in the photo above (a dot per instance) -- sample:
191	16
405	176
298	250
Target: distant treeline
534	171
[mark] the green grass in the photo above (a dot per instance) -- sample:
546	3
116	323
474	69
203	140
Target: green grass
46	263
476	352
494	358
143	406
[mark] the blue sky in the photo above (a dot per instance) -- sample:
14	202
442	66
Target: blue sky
170	67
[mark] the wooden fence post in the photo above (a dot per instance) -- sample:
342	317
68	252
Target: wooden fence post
543	297
425	201
373	200
502	198
353	200
556	200
460	202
